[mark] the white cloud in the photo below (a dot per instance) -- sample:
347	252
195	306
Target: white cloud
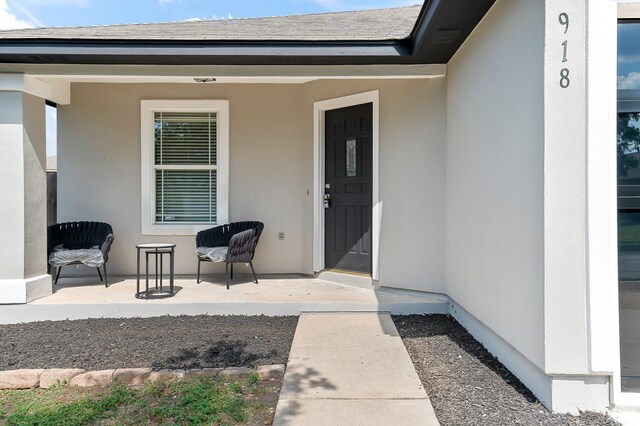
165	2
630	81
9	21
213	18
16	7
216	17
337	5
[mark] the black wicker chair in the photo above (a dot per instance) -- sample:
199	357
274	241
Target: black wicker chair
85	236
234	243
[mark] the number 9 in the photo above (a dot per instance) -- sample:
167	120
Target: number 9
563	18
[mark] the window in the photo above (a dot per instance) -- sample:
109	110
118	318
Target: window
184	166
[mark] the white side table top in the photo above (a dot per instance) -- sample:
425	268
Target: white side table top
155	245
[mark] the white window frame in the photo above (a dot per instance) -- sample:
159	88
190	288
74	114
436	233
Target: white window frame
147	110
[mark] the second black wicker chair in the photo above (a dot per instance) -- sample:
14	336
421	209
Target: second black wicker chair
232	243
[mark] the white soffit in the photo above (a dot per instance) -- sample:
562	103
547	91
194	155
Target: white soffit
629	10
218	79
174	79
223	74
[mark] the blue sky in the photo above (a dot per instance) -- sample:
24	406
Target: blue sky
629	56
101	12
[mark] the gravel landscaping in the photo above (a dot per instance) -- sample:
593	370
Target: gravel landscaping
162	342
467	385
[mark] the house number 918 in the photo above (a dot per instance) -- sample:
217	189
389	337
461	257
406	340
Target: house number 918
563	18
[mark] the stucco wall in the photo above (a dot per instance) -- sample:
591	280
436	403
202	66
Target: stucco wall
12	170
35	185
99	167
271	170
23	193
495	264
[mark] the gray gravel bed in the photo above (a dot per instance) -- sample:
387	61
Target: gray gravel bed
162	342
469	386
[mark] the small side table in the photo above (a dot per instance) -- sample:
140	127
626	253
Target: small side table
158	250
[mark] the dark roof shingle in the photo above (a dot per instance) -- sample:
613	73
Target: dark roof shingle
380	24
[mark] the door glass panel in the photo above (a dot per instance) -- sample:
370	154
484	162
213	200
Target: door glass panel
628	164
629	245
351	158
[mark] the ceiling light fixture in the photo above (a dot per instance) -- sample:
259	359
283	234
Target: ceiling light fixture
204	79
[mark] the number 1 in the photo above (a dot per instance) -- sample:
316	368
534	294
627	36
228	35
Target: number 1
564	51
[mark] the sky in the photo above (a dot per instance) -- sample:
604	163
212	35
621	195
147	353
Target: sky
57	13
629	56
47	13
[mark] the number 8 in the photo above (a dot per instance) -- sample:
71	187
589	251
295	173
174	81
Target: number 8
564	78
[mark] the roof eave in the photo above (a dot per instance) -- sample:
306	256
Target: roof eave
441	28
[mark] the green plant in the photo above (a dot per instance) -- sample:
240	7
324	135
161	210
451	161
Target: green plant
194	401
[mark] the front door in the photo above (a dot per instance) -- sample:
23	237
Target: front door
348	188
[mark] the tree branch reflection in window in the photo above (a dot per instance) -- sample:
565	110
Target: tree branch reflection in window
628	148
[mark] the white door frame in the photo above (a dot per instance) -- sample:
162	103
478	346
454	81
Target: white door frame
625	10
319	109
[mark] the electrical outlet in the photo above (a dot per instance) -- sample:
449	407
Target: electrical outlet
280	236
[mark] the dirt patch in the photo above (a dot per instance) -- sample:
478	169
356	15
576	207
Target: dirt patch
161	342
469	386
265	400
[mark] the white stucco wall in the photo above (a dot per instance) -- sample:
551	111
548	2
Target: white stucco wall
12	161
495	264
271	170
23	274
530	195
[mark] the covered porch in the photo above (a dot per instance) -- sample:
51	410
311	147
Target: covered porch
86	297
270	163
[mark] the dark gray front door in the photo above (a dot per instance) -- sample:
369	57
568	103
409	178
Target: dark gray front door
348	182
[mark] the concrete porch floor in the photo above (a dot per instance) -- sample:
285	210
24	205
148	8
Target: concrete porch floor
85	297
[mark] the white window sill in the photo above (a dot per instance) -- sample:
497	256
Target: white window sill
169	229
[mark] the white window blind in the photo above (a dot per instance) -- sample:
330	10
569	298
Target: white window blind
185	166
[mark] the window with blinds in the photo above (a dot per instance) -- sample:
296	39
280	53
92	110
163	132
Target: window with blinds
185	167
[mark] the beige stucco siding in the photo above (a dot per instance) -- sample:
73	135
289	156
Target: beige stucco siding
495	264
271	170
35	186
99	166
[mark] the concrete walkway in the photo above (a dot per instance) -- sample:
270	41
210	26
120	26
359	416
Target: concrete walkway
351	369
